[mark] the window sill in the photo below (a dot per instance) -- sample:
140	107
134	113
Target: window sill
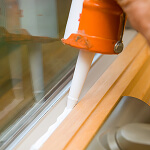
50	117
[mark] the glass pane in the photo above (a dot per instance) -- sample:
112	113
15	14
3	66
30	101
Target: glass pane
32	56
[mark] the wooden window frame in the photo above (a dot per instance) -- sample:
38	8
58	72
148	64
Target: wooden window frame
122	78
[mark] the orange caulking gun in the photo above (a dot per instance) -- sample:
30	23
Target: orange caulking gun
94	26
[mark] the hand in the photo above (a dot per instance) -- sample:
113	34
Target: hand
138	12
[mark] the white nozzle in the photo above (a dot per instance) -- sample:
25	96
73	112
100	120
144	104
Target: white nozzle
71	102
82	68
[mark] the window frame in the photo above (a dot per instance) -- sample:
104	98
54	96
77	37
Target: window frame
57	103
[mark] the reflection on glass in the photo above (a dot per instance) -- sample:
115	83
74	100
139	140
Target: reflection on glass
39	17
36	65
16	70
32	57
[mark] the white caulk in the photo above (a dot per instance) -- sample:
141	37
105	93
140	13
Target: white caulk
93	26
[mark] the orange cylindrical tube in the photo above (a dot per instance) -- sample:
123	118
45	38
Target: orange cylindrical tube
100	27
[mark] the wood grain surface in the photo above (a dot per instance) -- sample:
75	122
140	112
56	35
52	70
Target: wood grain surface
80	126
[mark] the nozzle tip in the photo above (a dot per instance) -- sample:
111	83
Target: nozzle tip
71	102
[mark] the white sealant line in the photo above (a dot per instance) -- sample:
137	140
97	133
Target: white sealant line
82	68
51	129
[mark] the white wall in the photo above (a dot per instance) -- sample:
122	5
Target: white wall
39	17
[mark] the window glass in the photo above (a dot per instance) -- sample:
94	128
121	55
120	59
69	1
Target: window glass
32	56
